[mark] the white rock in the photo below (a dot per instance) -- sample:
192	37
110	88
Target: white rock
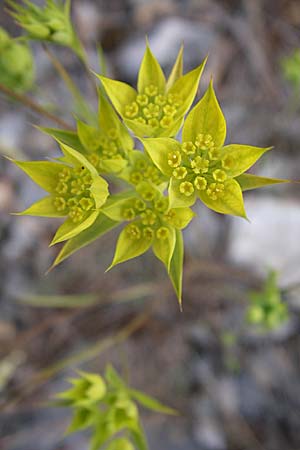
270	240
165	41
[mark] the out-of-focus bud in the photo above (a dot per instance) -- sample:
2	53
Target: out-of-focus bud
16	63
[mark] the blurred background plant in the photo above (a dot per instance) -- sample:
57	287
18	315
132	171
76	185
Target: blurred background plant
17	68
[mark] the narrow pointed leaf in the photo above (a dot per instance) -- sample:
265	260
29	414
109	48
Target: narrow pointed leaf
150	73
206	118
164	248
119	93
176	266
158	149
176	71
109	120
187	86
42	208
231	203
241	157
43	173
69	229
151	403
101	226
248	181
129	248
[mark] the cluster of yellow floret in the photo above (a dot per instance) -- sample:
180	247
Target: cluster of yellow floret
200	167
153	108
151	214
108	148
73	193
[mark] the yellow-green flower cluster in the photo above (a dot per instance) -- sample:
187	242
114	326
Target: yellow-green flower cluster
166	177
199	167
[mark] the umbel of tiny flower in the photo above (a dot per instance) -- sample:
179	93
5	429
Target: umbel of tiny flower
17	69
50	23
76	191
151	224
158	105
202	167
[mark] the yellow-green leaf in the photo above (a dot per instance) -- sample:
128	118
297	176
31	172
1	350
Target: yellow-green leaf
99	190
239	158
230	203
101	226
206	118
150	73
42	208
176	266
158	149
176	71
109	120
128	248
69	229
186	87
164	248
179	217
118	92
43	173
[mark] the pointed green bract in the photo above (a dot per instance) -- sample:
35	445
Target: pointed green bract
43	173
206	118
187	86
241	157
119	93
110	123
247	181
150	73
159	149
99	190
176	266
151	403
101	226
130	244
231	201
177	69
42	208
164	248
68	229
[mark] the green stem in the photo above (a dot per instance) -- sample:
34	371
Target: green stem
33	106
